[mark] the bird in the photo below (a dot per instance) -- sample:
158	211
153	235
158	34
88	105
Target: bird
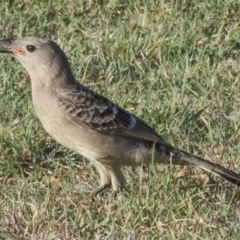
90	124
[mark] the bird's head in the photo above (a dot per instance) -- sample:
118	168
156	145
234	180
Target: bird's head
39	56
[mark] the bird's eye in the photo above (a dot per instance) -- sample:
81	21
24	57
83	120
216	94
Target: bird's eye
31	48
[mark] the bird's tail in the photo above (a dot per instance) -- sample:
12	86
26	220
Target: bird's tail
182	158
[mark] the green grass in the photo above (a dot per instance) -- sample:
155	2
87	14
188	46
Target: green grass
175	64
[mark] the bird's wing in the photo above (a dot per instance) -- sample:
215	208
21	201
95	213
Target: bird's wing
88	109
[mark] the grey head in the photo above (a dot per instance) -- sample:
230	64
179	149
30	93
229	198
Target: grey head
39	56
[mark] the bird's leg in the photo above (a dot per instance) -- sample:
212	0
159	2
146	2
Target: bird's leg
105	179
109	176
94	193
117	178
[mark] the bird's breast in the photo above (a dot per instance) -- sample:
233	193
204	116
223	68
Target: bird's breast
57	124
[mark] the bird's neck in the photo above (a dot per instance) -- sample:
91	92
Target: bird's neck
49	79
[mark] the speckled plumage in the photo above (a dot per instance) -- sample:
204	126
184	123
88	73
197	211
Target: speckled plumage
90	124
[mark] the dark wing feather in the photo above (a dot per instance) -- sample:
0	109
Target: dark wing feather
88	109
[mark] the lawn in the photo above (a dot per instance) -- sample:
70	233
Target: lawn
176	65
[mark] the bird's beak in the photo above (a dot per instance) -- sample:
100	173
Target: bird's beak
7	44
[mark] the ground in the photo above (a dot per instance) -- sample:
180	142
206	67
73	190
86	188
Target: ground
174	64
